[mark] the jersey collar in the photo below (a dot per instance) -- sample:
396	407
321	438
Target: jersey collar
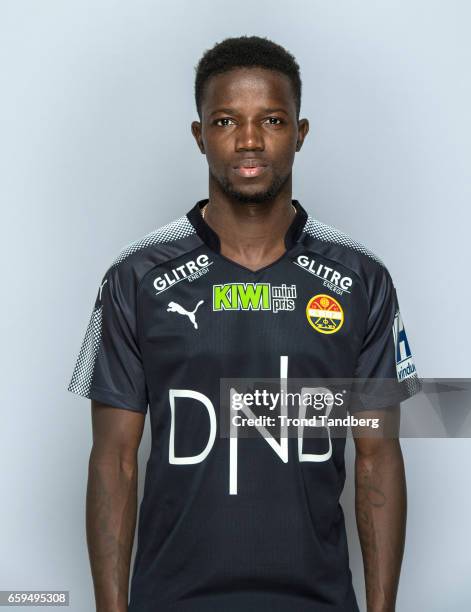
209	236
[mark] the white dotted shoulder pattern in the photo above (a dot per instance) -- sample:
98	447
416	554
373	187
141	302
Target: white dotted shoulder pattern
83	372
175	230
327	233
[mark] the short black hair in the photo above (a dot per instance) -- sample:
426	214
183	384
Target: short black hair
246	52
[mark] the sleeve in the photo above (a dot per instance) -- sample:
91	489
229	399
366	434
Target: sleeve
109	366
385	372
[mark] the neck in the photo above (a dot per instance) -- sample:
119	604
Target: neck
250	233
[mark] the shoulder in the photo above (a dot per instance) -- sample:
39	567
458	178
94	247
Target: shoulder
171	234
341	248
343	242
136	258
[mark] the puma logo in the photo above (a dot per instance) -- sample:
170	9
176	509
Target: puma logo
174	307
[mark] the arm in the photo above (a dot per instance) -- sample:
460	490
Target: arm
380	507
111	505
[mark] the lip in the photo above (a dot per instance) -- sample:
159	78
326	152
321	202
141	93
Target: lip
250	168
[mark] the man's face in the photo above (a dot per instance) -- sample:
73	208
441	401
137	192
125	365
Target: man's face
249	132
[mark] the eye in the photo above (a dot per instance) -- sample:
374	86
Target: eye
275	119
222	119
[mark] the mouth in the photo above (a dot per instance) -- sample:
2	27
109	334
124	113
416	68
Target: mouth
250	168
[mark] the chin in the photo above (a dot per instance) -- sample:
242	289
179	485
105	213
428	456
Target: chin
256	198
249	197
252	194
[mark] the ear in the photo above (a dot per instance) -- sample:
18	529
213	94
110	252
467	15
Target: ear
303	129
196	131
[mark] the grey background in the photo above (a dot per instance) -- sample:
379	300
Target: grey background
95	150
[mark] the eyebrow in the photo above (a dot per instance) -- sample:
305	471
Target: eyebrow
232	111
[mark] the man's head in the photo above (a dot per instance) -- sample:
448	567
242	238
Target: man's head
248	97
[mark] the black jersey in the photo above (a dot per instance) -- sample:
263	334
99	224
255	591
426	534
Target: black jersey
239	528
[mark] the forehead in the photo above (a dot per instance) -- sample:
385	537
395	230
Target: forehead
248	88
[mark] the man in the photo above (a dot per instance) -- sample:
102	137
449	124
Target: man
246	284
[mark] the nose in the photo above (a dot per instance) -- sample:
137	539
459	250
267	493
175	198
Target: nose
249	137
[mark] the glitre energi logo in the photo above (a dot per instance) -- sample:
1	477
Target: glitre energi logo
189	271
